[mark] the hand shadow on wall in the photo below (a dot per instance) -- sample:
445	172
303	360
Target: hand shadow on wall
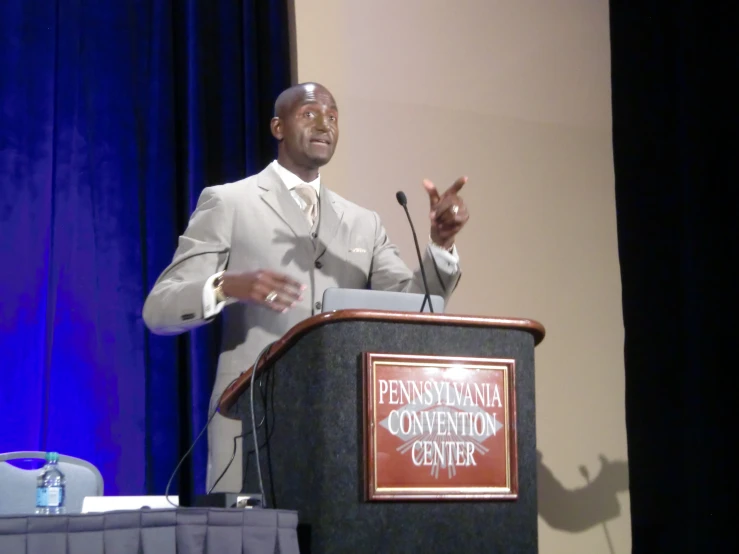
577	510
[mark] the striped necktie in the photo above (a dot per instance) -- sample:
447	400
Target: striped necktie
310	197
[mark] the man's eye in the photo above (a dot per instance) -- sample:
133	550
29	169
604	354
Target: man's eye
308	114
332	118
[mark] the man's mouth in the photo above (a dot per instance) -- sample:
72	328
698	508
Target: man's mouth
321	141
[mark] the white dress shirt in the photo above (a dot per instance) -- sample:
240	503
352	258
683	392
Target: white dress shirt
212	307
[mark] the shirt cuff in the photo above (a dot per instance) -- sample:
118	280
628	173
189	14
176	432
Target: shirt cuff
445	258
211	306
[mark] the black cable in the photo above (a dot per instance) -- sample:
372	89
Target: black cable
268	398
184	457
233	455
255	367
242	435
186	454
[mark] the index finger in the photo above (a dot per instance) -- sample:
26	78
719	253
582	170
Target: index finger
457	186
432	192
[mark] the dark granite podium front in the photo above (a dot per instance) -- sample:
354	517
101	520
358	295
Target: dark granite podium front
312	459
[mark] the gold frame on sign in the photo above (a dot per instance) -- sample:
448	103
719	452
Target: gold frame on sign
375	492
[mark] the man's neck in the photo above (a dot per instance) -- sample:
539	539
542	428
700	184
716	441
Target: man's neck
306	174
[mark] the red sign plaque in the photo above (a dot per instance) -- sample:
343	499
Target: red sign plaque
439	428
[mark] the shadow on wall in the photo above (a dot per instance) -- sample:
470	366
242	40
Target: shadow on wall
577	510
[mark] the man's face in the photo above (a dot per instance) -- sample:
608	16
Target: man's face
309	127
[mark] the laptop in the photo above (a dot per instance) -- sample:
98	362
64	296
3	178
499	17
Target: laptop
358	299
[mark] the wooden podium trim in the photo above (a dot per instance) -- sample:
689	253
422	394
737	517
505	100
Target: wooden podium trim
232	393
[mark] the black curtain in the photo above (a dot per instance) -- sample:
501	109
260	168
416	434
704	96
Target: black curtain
675	117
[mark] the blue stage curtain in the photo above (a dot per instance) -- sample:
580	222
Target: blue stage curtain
113	117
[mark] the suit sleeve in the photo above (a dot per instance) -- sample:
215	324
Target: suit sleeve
175	303
389	272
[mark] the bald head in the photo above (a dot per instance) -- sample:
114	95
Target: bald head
299	94
306	126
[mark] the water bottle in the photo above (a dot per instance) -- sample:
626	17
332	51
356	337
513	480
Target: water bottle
50	487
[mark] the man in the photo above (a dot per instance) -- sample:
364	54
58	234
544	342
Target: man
264	249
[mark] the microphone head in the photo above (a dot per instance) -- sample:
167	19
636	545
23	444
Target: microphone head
402	200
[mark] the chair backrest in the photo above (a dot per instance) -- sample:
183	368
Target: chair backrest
18	485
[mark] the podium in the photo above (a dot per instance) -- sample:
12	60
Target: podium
310	405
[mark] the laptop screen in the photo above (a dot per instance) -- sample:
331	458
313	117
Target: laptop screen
357	299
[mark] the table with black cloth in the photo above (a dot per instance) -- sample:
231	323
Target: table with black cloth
180	531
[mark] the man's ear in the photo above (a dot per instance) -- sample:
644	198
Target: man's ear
275	126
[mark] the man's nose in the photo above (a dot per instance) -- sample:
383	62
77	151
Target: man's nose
321	122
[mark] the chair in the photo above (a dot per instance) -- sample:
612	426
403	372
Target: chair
18	486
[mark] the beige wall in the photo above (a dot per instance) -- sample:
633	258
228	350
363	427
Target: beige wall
516	95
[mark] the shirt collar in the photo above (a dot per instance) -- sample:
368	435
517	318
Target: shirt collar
291	180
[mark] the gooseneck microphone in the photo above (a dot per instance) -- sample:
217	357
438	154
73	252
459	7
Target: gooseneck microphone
403	201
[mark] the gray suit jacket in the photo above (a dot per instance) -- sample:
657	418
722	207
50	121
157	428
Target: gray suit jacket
256	224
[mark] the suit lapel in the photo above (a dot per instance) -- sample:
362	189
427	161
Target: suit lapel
330	216
281	201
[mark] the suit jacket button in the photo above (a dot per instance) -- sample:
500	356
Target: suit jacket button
318	305
319	265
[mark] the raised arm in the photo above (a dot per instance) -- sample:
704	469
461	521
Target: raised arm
448	214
